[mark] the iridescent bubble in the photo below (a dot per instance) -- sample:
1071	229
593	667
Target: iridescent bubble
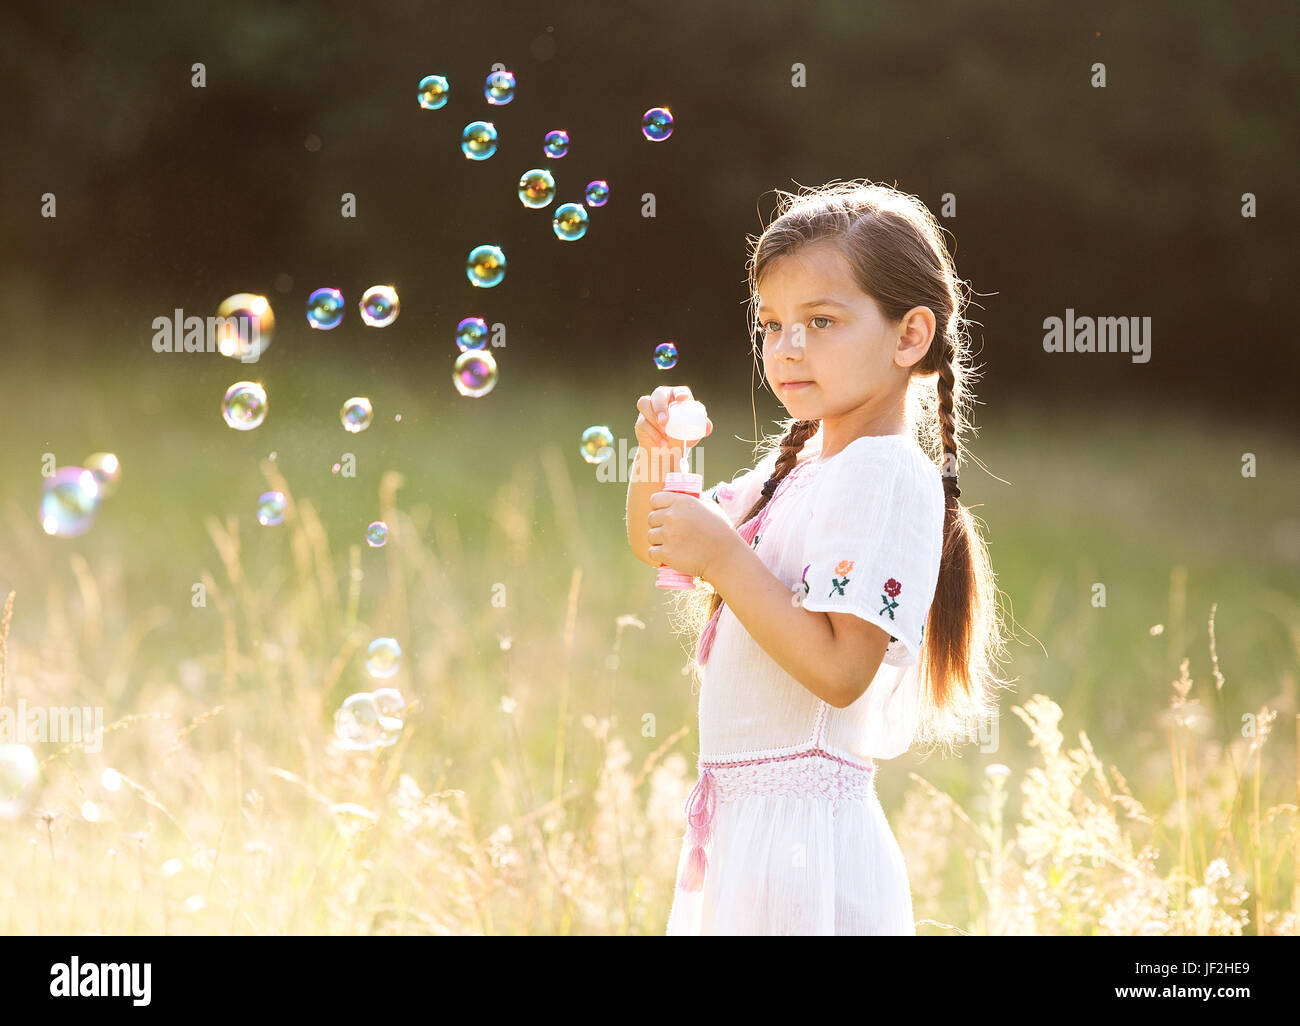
356	723
499	88
270	508
486	266
536	188
471	333
556	143
245	327
597	193
570	221
19	774
379	306
244	406
69	502
597	444
475	373
657	124
479	140
376	534
392	709
433	91
383	657
325	309
666	355
356	414
107	471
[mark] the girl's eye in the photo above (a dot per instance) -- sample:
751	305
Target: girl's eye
827	319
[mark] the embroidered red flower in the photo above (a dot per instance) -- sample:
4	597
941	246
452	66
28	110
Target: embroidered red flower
892	588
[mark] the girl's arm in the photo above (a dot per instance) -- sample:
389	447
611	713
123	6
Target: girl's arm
649	468
833	655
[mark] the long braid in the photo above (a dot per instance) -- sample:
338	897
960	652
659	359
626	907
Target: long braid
791	445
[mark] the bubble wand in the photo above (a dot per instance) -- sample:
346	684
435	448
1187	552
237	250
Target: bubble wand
687	422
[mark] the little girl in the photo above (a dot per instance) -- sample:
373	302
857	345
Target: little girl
851	609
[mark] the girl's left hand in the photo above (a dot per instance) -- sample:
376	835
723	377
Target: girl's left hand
687	533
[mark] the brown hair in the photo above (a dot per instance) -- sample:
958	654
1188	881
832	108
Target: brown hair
896	253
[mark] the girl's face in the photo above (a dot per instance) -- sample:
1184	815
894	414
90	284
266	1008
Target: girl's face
828	351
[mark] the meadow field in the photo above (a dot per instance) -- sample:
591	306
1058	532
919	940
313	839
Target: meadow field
1144	777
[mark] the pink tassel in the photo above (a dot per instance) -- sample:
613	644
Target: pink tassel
700	809
748	532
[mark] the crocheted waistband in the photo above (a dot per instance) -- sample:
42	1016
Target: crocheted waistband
812	773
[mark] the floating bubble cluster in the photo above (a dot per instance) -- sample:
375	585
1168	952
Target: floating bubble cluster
270	508
356	414
325	309
19	774
433	91
380	306
657	124
536	188
244	406
479	140
486	266
383	657
475	373
597	193
471	333
69	502
246	326
376	534
570	221
499	88
597	444
556	143
107	471
666	355
369	720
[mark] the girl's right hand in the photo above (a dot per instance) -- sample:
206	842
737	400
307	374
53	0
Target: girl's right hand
654	418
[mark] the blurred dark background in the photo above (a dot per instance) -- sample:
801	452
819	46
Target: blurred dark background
1122	201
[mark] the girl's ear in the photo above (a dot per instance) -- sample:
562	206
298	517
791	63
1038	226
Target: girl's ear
916	334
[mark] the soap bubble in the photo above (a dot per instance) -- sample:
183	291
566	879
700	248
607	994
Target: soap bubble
499	88
475	373
356	414
657	124
597	193
69	502
270	508
246	326
570	221
486	266
379	306
356	723
383	657
433	91
376	534
325	309
19	773
666	356
536	188
597	444
392	708
471	333
244	406
479	140
556	143
107	471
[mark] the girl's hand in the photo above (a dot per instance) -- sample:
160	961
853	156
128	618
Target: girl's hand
654	416
688	534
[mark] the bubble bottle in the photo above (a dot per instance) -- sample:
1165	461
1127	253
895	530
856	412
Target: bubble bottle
687	422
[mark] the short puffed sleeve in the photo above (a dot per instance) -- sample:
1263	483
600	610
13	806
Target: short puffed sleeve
738	495
874	540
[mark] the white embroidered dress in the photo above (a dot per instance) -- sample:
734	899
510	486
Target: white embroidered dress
792	833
